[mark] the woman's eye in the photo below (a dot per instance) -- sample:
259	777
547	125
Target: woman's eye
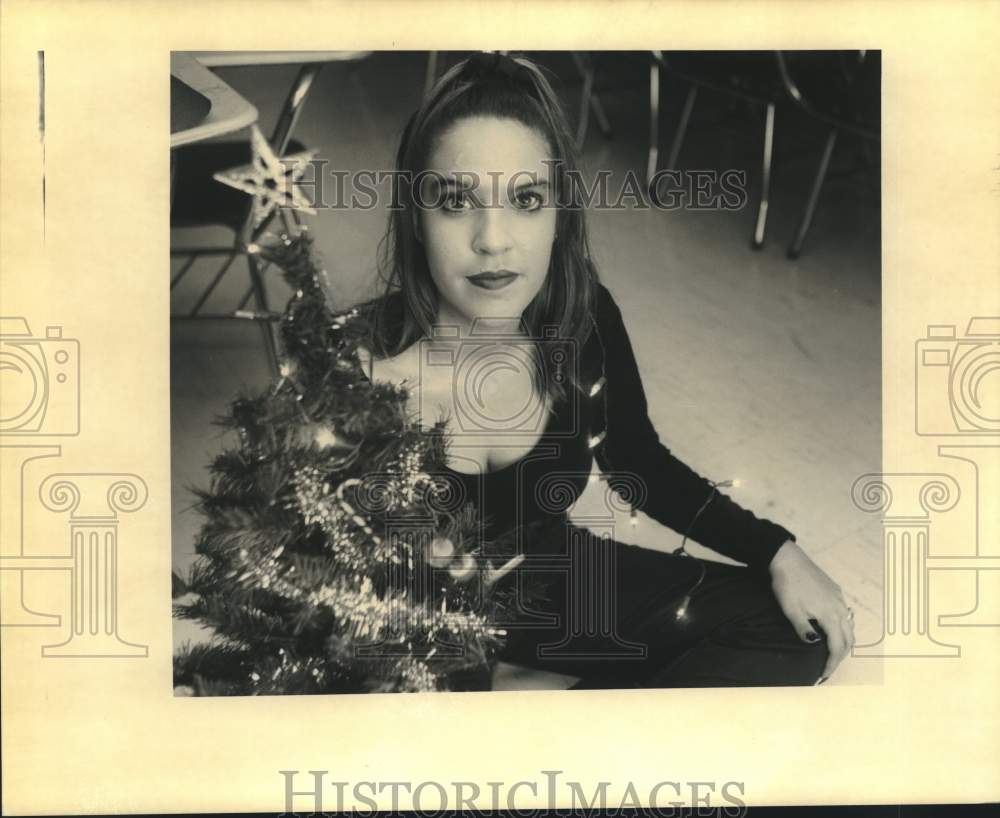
529	200
456	202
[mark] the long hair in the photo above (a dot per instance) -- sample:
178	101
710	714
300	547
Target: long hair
505	88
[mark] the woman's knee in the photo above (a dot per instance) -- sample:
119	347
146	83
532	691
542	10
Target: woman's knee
766	633
805	664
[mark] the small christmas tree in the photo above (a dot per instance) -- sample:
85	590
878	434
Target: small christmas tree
332	557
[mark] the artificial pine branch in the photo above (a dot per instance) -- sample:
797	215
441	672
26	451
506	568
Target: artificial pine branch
299	569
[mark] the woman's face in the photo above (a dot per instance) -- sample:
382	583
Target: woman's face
489	236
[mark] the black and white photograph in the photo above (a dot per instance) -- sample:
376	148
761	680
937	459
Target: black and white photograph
514	370
617	379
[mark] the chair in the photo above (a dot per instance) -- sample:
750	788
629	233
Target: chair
840	89
837	88
199	201
752	76
590	102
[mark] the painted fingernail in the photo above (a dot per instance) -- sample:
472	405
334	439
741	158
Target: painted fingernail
812	636
821	680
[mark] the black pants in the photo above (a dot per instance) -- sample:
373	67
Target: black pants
608	613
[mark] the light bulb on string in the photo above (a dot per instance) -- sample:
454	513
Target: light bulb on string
442	550
324	437
463	568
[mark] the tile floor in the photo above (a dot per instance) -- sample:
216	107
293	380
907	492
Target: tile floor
755	366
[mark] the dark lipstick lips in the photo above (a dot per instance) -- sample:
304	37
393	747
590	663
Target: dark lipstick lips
493	274
492	280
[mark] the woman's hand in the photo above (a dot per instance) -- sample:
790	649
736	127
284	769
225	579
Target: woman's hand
805	592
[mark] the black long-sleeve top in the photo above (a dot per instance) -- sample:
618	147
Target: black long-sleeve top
674	492
544	483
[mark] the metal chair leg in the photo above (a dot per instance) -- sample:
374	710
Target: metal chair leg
250	291
293	108
765	184
245	299
266	325
654	122
795	249
682	126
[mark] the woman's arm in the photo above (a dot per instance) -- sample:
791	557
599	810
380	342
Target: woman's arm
674	492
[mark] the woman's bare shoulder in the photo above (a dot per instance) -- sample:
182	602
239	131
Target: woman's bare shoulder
396	369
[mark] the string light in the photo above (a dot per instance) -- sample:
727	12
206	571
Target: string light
682	609
681	612
464	568
325	437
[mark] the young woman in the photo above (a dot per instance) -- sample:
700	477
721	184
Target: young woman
493	316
